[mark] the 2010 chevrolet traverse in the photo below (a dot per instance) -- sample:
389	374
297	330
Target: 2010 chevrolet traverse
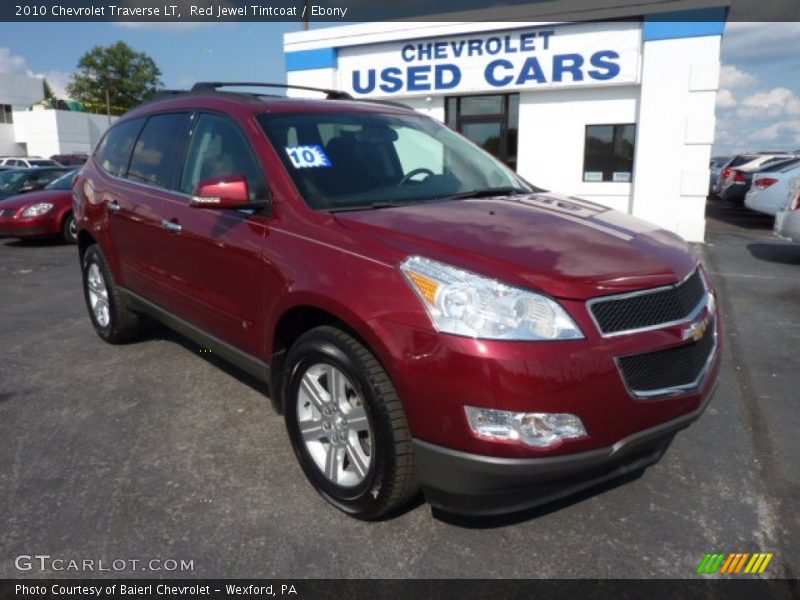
425	317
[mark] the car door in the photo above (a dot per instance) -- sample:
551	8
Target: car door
212	257
145	160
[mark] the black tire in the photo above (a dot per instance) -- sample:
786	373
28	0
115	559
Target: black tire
68	232
123	324
391	480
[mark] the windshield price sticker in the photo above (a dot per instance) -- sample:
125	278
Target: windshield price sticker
304	157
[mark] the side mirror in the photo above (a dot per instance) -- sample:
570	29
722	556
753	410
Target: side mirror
228	191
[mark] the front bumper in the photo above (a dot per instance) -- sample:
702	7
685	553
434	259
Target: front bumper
438	375
471	484
44	225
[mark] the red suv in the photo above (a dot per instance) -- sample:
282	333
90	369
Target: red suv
425	317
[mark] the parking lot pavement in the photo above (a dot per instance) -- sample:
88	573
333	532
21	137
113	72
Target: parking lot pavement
153	450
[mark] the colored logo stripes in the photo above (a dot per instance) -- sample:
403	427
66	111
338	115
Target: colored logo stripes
735	563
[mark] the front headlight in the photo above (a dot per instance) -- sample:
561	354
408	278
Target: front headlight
463	303
36	210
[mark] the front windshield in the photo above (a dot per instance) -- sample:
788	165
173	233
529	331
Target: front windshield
10	180
345	161
62	183
43	163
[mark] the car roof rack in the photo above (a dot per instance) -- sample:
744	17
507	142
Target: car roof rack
213	86
385	102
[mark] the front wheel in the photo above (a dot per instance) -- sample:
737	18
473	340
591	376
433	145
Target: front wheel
112	319
347	425
69	230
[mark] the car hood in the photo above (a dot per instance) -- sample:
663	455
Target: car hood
566	247
28	198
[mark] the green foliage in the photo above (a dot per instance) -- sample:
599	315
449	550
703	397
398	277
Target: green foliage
48	91
130	77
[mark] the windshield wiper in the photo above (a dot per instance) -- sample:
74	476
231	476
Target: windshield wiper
479	193
368	206
486	193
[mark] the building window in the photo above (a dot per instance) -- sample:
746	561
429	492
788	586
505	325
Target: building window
489	121
6	116
608	153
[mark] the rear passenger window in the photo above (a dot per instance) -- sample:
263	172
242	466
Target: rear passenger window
159	150
219	148
114	151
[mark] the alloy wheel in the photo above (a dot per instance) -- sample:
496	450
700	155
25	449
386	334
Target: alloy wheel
98	295
334	426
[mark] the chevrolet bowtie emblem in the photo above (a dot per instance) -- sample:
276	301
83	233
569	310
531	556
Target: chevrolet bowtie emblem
696	330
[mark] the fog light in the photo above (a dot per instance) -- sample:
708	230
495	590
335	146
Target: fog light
532	429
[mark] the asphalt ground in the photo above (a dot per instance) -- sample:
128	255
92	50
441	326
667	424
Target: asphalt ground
158	450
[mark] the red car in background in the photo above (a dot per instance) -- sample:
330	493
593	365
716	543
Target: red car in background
425	317
44	213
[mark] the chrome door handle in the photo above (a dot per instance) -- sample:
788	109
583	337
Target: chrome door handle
114	207
171	226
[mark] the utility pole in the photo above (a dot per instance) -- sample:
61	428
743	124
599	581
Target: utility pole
108	105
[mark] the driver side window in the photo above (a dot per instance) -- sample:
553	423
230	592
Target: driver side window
219	148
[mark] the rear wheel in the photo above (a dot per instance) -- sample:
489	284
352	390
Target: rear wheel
69	230
112	320
347	425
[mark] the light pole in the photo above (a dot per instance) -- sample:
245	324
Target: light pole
106	81
108	105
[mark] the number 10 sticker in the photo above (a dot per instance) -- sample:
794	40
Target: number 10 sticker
304	157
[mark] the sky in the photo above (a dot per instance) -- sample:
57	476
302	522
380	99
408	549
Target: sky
758	104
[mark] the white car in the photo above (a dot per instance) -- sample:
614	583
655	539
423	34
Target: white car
787	221
26	162
770	187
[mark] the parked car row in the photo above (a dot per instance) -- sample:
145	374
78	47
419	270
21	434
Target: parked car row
734	178
29	162
768	183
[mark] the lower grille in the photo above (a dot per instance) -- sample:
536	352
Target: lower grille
668	371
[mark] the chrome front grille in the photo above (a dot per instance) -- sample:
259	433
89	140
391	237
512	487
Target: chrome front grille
649	309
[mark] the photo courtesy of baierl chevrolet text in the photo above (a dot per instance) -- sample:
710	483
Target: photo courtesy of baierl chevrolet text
324	299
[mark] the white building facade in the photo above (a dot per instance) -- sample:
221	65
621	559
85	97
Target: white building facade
17	93
620	112
42	132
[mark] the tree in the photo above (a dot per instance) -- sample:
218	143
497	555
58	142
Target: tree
48	91
116	74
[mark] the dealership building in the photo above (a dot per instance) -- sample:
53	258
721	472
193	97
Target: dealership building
615	107
27	129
